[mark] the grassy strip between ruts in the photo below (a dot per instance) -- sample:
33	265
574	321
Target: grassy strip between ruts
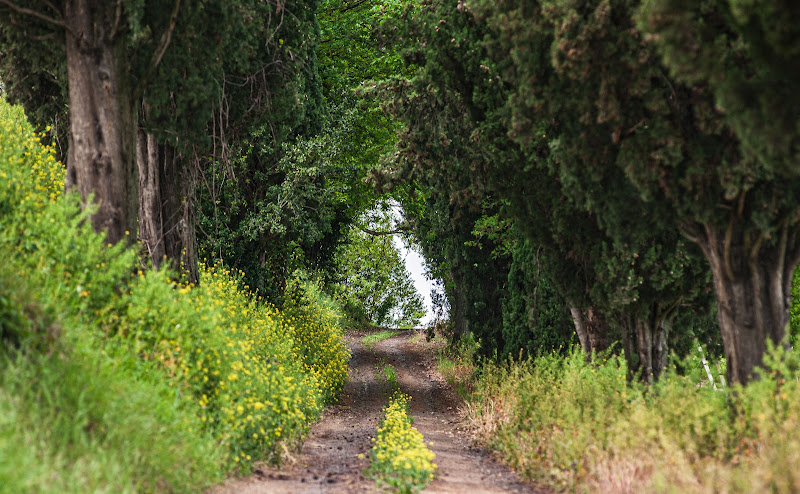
582	427
116	380
399	458
369	340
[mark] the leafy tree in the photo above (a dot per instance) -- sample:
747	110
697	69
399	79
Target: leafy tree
377	286
735	189
473	112
195	78
593	77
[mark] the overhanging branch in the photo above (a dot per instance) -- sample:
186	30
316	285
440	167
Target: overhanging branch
378	233
33	13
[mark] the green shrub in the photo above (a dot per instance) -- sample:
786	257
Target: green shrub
228	356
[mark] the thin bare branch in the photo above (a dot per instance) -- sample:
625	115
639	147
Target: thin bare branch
33	13
117	21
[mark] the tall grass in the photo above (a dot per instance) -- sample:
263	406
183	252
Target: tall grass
582	427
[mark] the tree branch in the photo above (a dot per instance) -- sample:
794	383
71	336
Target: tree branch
352	6
117	20
378	233
689	232
46	18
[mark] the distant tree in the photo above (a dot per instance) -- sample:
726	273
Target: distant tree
377	285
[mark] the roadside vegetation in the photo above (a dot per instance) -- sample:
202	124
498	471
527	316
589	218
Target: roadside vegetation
115	379
399	458
369	340
584	426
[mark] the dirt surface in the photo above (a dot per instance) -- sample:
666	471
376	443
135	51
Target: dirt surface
329	462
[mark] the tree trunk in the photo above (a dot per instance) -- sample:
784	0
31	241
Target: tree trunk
580	329
151	225
752	285
592	329
646	345
459	324
102	154
166	224
180	235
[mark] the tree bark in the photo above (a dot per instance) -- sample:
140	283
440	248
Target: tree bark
166	223
580	329
102	152
646	344
151	225
592	329
458	311
752	284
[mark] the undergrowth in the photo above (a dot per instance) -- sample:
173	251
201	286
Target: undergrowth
370	339
117	380
583	427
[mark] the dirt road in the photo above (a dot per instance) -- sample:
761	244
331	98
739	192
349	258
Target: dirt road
329	462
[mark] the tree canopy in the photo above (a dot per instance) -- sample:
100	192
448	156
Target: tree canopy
629	165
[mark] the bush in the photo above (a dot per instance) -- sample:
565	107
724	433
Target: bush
227	355
313	318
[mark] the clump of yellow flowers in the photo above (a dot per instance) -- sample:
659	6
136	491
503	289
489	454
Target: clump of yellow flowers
258	376
315	324
399	456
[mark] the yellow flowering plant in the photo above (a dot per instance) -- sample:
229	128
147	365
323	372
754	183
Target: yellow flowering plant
231	358
234	378
399	456
314	319
73	418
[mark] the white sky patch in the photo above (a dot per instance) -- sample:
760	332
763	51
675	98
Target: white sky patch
415	265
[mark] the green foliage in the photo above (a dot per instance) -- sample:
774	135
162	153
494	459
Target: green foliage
88	426
535	318
315	319
234	361
582	426
375	284
379	336
399	457
794	312
142	384
390	374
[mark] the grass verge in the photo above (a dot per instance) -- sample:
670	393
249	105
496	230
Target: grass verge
582	427
369	340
